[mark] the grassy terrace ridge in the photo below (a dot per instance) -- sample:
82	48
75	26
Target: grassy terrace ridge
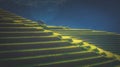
29	32
104	62
28	43
30	37
64	61
67	61
44	56
23	27
40	49
24	24
16	23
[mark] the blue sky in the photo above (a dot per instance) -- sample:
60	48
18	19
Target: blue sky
92	14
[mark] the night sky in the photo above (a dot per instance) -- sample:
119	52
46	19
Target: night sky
89	14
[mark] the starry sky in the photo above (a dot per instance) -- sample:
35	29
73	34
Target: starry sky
90	14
